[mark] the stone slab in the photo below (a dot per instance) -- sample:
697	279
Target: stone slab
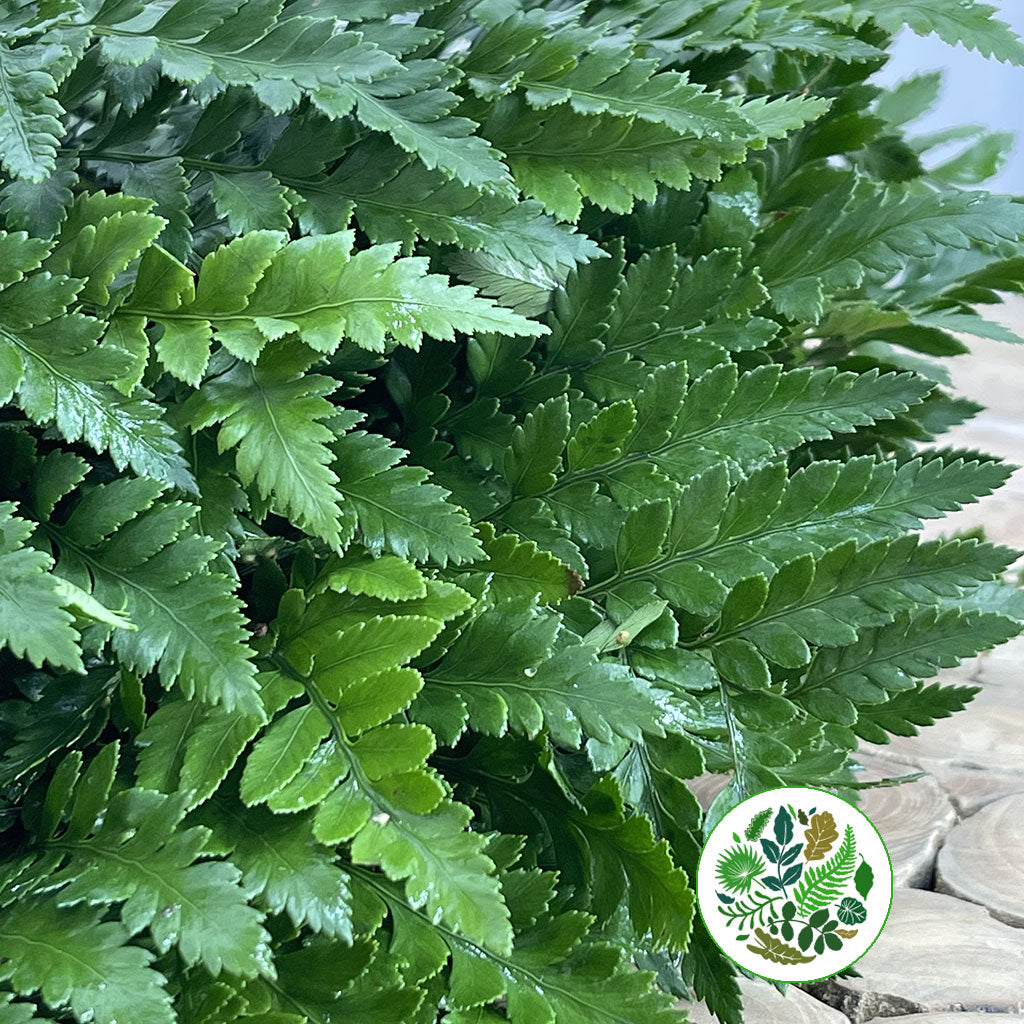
983	860
1003	667
935	954
707	786
956	1018
763	1004
976	755
985	736
913	819
971	789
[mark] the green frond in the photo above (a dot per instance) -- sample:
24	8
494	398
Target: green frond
433	434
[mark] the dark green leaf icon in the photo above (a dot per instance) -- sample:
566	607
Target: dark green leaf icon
787	930
771	851
864	879
851	911
793	874
819	944
805	936
791	854
789	910
783	827
818	918
832	940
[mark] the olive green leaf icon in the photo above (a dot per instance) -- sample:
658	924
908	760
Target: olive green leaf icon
820	836
776	950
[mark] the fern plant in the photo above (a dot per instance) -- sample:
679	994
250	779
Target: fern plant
432	433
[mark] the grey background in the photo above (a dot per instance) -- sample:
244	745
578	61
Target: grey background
975	90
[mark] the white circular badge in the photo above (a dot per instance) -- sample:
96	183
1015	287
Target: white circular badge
794	884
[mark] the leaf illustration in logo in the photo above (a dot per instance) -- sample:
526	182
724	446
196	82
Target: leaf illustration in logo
818	918
820	836
801	816
864	879
776	950
738	867
824	883
791	854
757	824
793	874
846	933
851	911
783	827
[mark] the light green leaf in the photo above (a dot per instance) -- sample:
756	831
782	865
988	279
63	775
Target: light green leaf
518	568
387	577
444	869
284	866
99	237
71	959
139	857
393	506
283	749
507	673
253	201
123	546
30	117
273	412
318	288
34	622
49	358
952	21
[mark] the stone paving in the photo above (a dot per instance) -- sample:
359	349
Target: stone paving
952	951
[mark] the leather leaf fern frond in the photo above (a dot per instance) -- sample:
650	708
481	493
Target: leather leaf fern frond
432	436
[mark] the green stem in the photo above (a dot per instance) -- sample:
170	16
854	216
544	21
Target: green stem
778	875
342	741
287	997
194	163
735	740
316	698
